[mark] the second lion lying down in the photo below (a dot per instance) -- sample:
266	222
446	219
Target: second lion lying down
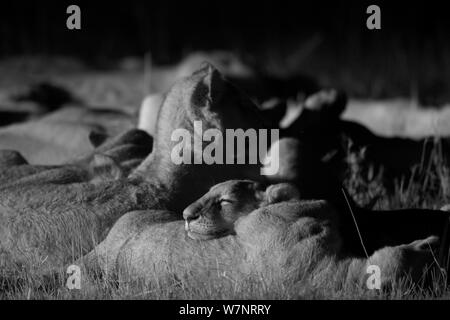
250	232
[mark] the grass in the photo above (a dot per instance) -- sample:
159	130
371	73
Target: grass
427	187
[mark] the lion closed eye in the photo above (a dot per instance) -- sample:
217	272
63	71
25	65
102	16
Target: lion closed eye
214	214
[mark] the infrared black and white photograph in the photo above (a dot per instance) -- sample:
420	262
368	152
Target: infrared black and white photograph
224	150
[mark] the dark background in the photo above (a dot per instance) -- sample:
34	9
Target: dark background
410	51
170	28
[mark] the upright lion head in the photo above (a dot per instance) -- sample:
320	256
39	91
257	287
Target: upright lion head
208	97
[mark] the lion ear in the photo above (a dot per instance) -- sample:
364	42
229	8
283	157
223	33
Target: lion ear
209	89
281	192
106	168
97	138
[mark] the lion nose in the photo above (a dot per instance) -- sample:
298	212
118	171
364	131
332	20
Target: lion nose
190	214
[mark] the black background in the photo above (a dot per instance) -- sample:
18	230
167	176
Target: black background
407	57
171	28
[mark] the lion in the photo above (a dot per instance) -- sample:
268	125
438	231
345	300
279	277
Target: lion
63	135
56	214
37	100
379	228
313	159
112	158
242	229
215	213
153	244
207	97
318	125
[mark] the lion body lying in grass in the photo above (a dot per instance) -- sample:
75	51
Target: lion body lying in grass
275	237
48	213
63	135
153	245
51	215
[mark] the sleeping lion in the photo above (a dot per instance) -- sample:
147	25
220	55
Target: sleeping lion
243	230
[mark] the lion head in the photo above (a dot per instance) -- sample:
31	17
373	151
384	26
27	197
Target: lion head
214	214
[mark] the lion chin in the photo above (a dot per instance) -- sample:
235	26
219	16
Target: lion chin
202	236
205	234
